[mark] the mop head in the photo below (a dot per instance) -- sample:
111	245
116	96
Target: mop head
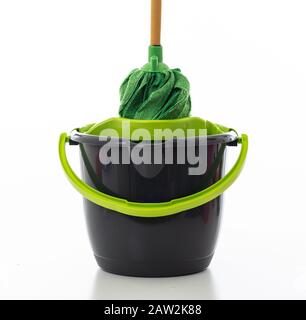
162	95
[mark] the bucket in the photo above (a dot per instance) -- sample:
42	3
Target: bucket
153	219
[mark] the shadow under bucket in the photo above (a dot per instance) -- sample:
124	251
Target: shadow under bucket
153	220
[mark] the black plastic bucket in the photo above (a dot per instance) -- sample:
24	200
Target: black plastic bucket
172	245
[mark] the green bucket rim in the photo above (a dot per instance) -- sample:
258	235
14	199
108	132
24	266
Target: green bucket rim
189	127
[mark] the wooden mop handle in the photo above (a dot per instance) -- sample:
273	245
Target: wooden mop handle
156	10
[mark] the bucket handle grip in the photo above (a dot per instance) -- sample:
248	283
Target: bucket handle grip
153	210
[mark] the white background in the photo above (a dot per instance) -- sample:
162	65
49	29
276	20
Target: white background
61	64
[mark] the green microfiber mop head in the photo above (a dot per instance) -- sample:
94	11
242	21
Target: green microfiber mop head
155	92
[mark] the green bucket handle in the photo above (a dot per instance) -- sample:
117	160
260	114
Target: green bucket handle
153	210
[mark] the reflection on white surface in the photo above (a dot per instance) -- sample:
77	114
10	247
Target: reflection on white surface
198	286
